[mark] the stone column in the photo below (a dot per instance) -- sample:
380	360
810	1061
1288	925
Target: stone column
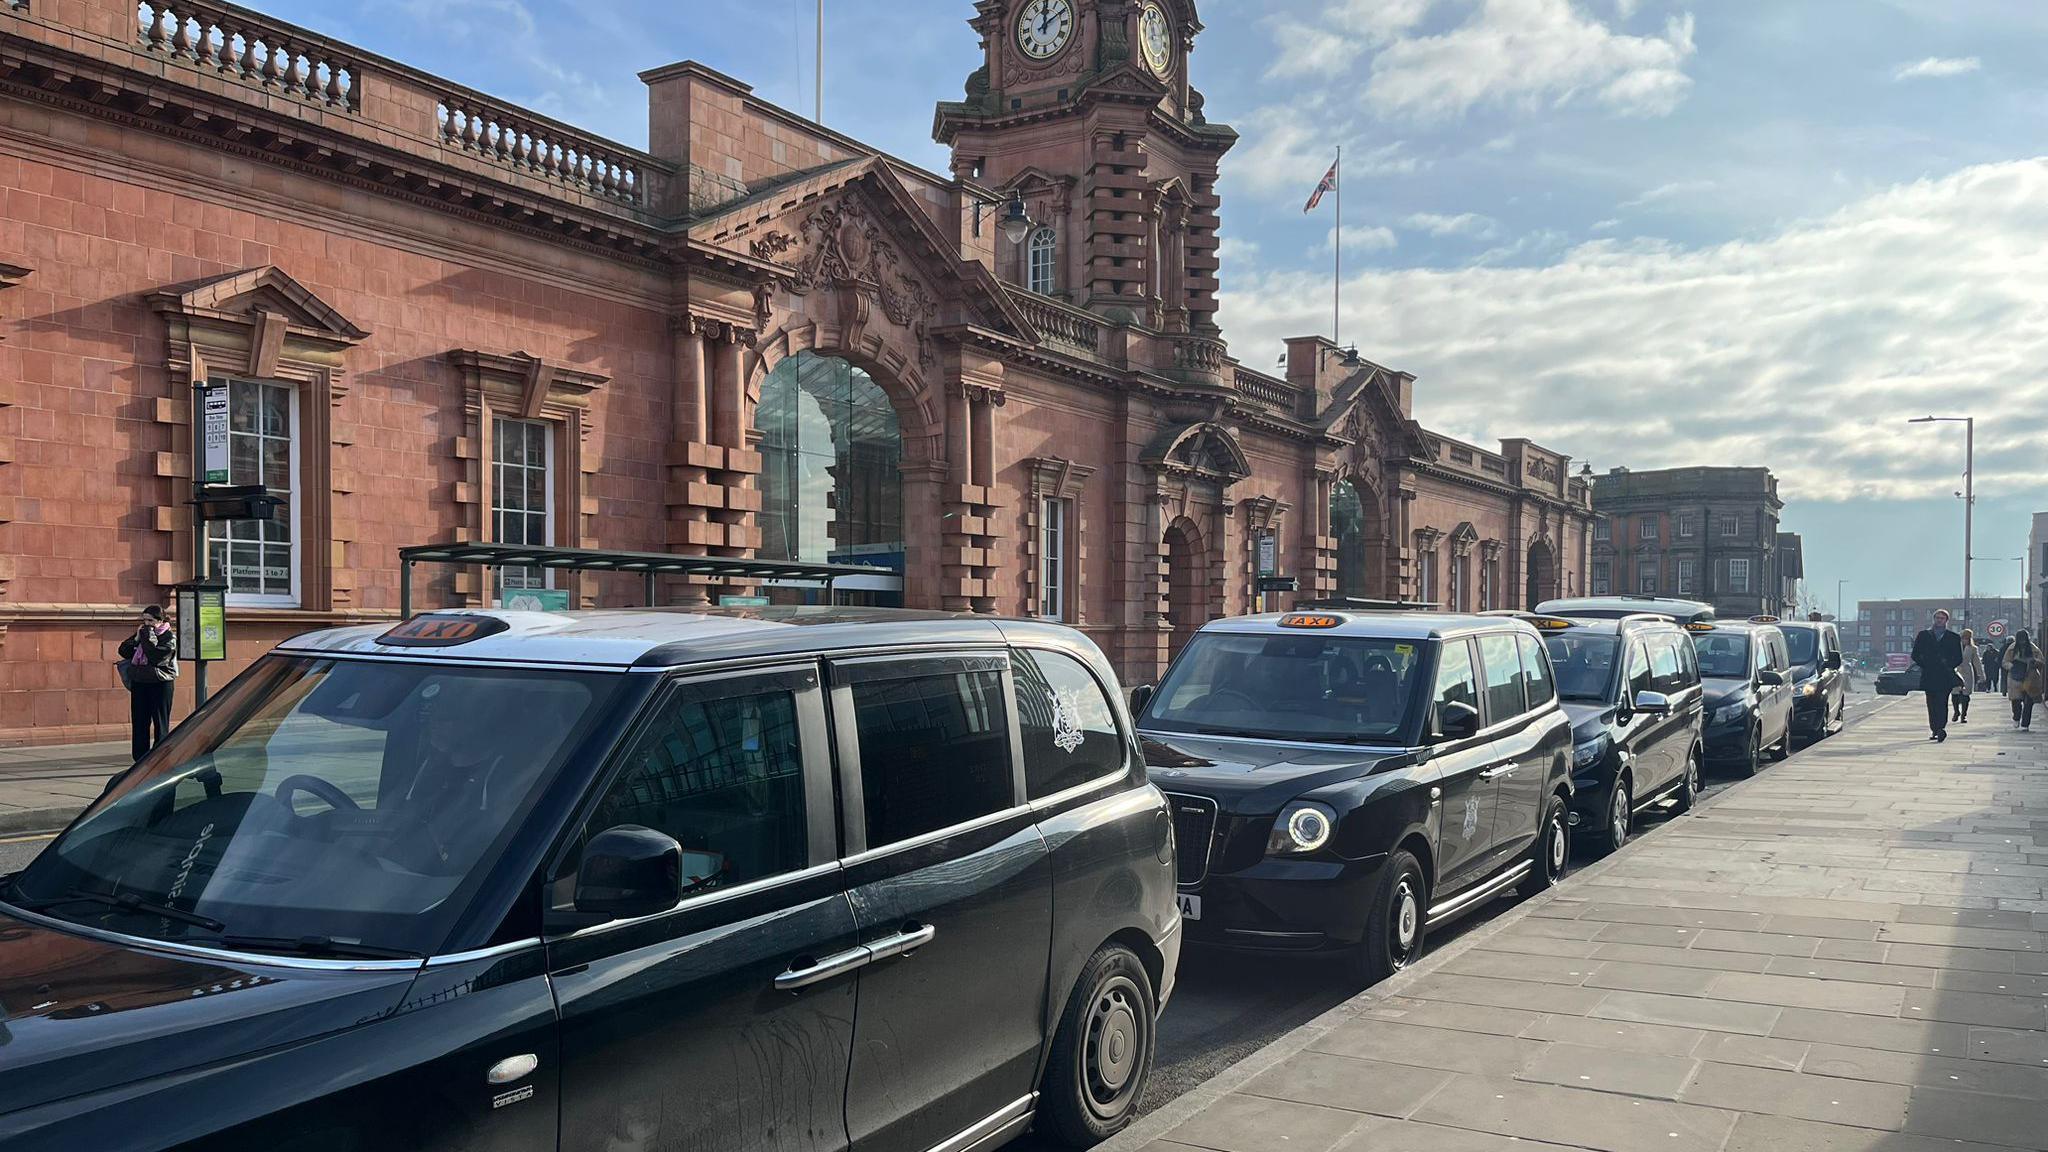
687	459
982	417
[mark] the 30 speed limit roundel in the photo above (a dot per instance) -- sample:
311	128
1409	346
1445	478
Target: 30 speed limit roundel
1995	629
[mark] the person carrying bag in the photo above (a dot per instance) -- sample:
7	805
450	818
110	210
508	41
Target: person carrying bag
148	668
2024	675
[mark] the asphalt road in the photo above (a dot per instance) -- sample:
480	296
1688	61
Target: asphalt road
1227	1006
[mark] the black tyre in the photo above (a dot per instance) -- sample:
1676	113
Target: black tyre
1753	757
1398	920
1102	1055
1784	749
1689	788
1621	816
1552	852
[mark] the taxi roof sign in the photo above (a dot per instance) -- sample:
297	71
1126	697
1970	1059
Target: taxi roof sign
1700	626
1550	623
1310	620
441	630
1763	618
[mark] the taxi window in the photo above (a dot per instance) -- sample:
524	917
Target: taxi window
1536	672
1584	662
1667	670
1638	675
1456	681
1723	655
1069	729
1803	644
1311	686
1503	667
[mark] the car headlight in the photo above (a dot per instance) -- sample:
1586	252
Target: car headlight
1730	713
1589	752
1302	827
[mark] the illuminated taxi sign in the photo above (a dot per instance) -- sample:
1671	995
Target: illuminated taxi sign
1551	623
1763	619
441	630
1699	626
1310	620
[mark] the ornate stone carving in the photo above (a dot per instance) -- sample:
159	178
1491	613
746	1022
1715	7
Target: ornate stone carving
772	245
850	252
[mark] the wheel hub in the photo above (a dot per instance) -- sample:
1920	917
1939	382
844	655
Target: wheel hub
1557	846
1618	819
1407	919
1116	1042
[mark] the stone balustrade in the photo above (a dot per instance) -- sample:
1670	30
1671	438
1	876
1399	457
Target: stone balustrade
525	143
244	47
1061	324
1201	355
1261	389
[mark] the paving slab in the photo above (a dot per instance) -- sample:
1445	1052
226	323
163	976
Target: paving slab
1802	965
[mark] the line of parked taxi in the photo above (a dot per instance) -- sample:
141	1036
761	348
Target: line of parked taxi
813	879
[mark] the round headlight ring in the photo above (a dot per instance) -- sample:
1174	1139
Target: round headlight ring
1308	828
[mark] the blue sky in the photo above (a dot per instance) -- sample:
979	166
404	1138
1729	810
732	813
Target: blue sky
1646	232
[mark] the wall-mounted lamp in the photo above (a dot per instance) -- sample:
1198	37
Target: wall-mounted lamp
1015	222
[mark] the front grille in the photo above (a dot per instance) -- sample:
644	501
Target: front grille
1194	831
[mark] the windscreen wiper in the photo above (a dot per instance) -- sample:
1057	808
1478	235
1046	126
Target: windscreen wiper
129	902
321	946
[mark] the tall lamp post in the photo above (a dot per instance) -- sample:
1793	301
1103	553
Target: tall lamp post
1841	605
1969	424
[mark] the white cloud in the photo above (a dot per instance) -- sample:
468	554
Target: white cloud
1937	68
1676	189
1463	224
1340	35
1532	53
1233	250
1285	150
1373	239
1804	350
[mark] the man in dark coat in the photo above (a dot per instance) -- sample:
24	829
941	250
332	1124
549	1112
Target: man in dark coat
1994	667
1939	653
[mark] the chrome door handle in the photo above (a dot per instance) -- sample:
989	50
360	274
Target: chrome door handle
1498	770
904	942
835	965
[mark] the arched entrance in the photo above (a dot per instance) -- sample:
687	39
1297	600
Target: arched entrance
1542	574
1187	583
831	475
1349	526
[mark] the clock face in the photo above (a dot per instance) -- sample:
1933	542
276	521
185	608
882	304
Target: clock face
1044	27
1155	38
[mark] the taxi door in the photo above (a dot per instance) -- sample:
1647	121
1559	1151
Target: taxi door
1466	779
727	1021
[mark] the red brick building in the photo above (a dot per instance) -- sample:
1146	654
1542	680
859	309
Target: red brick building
442	317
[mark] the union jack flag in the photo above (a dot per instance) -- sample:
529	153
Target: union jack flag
1329	181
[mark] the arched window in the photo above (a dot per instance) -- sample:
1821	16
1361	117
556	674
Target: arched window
1043	257
831	481
1347	525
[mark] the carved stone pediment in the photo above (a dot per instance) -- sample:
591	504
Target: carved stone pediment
247	296
1204	449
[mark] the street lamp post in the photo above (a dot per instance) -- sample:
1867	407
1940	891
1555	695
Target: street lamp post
1841	605
1969	424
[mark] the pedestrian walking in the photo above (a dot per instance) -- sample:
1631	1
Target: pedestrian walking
149	667
1972	672
1939	653
2024	674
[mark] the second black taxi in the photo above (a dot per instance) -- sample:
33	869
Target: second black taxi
1345	781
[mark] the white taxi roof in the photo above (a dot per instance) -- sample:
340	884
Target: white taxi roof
1387	625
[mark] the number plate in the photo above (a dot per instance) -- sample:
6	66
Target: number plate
1190	906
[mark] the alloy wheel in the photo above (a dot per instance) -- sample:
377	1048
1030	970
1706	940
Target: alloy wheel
1560	845
1618	815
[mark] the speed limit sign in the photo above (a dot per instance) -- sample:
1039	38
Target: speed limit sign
1995	630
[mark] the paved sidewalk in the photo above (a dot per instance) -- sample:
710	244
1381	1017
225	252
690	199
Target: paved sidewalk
43	787
1847	954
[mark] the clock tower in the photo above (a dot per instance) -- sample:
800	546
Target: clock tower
1083	107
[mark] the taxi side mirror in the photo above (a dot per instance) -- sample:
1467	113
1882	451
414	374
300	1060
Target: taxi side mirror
1770	677
1140	696
629	871
1652	704
1456	720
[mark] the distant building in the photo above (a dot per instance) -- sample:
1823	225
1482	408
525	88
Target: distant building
2036	580
1791	571
1886	626
1703	533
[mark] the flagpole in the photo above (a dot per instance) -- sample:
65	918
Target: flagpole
1337	261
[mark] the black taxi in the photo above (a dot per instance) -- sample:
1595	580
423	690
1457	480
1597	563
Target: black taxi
1632	688
790	879
1746	670
1820	687
1346	780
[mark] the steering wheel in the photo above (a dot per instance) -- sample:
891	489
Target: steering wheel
336	799
1213	699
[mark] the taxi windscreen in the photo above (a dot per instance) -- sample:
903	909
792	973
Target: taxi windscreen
1312	687
1585	664
1723	655
1803	643
330	807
